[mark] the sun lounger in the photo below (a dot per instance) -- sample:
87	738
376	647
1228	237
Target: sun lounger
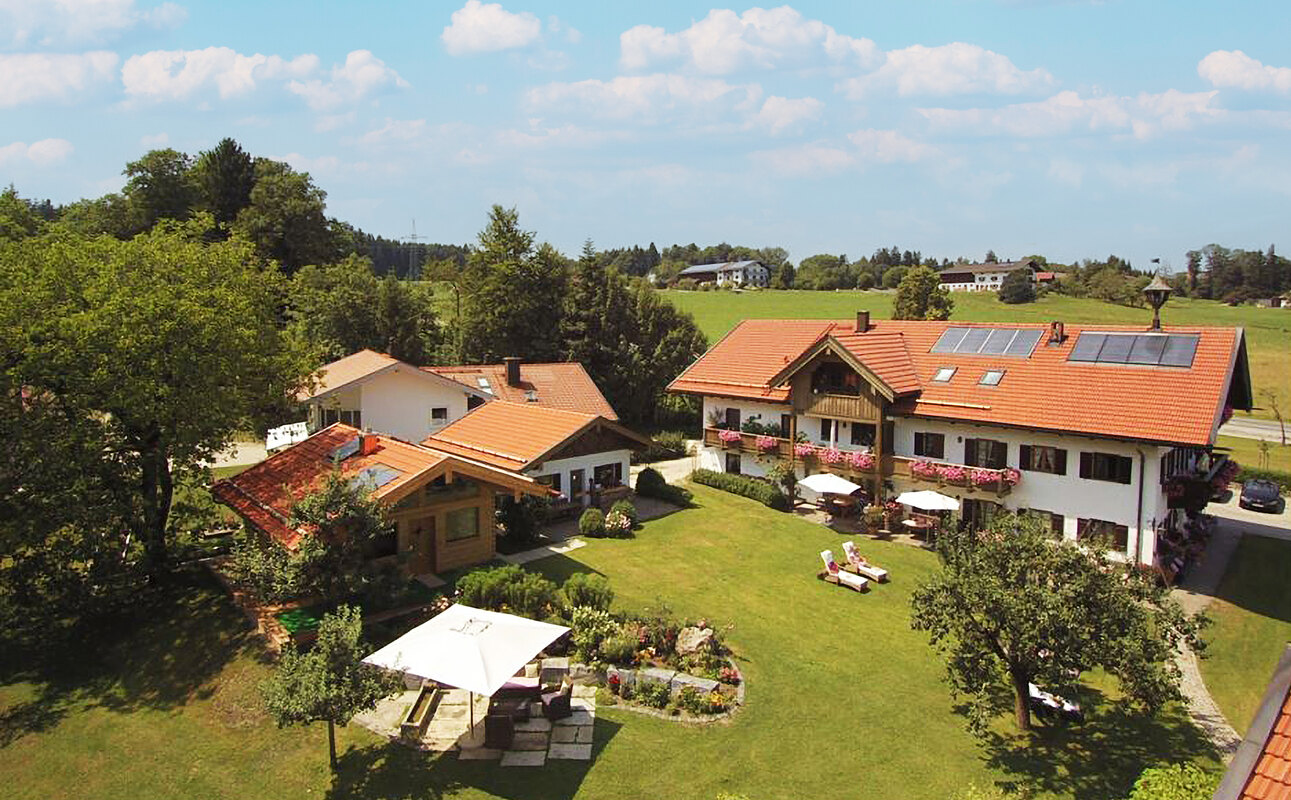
832	574
1050	707
857	563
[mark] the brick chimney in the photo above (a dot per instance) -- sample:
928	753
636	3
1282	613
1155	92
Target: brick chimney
367	443
513	370
862	321
1056	335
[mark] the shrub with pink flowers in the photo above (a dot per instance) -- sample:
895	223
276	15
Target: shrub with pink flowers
984	477
924	469
860	460
804	450
728	436
767	444
831	455
952	473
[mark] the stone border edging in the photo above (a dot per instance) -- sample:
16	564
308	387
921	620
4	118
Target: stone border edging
682	715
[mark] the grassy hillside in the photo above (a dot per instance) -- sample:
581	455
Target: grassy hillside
1268	330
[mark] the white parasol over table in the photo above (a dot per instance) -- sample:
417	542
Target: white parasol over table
828	483
928	500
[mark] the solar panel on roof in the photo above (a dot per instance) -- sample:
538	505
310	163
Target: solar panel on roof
346	450
372	478
998	342
1179	351
1146	349
973	340
949	340
1024	343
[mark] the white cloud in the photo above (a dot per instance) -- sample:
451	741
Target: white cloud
537	135
30	77
779	114
361	74
724	42
889	147
155	140
955	68
1234	69
570	33
487	27
43	153
58	22
804	160
395	130
1067	172
178	74
1068	112
645	96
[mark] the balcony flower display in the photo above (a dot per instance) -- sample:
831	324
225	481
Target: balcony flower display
952	473
767	444
1010	476
804	450
924	469
1225	476
831	455
729	436
862	461
984	477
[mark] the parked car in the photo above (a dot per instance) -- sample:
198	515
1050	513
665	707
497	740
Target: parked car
1259	494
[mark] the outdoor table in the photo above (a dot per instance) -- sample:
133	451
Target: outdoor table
515	707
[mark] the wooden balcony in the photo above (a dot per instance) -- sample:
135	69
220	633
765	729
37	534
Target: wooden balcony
748	443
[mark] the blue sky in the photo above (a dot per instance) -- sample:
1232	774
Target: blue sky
1070	129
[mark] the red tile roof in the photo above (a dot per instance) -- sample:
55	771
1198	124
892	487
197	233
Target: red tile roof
265	494
1045	391
515	435
1260	769
564	385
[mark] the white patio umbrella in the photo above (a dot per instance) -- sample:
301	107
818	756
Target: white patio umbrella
928	500
828	483
468	648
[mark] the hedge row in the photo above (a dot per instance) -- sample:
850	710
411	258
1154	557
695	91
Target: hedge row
752	488
1279	477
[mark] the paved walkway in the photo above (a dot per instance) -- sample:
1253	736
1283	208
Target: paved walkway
1194	594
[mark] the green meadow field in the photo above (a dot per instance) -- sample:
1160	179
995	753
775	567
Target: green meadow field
1268	330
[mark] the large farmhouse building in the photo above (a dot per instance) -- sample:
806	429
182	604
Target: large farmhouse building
987	277
1105	430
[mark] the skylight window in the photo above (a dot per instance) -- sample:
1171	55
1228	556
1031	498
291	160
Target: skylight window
992	377
373	478
484	384
944	375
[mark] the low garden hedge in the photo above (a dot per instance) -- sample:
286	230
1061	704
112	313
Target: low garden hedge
652	484
1279	477
752	488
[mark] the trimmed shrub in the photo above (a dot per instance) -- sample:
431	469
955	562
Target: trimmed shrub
592	523
651	484
589	590
752	488
1175	782
628	510
509	588
617	525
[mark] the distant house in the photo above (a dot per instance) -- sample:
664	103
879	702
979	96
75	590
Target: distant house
986	277
585	457
374	391
441	503
730	273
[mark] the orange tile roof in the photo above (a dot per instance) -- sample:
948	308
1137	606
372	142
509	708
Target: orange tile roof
1260	769
1045	391
265	493
564	385
346	370
515	435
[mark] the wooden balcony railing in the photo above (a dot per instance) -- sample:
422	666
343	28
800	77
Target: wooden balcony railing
749	443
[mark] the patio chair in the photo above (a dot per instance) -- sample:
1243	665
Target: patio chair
556	704
499	731
832	574
857	563
520	686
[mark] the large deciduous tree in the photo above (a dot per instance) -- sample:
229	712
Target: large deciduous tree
1011	607
286	218
161	186
328	683
920	296
162	345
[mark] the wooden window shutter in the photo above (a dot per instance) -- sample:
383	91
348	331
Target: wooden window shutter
920	449
999	455
1024	456
970	452
1060	461
1086	464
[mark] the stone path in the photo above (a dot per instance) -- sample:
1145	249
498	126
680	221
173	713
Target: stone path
546	551
1194	594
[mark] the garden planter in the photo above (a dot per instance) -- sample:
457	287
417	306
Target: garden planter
414	723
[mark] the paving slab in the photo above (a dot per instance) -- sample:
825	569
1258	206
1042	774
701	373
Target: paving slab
529	741
577	718
524	758
571	752
533	725
583	734
565	734
430	580
479	754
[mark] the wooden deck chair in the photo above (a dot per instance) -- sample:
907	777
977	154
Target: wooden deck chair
832	574
857	563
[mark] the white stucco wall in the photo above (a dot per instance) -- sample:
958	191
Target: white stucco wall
1069	495
398	403
587	463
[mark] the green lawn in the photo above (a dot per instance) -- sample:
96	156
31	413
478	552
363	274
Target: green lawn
1247	452
1268	330
843	698
1252	614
